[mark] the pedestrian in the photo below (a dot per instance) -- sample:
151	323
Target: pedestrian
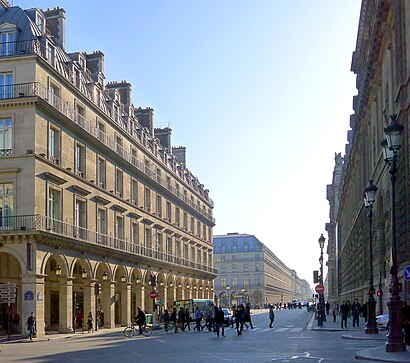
165	320
233	317
198	318
344	311
271	316
188	319
90	322
219	320
181	315
174	319
101	318
405	314
248	318
327	307
356	308
79	319
31	326
239	317
335	310
212	312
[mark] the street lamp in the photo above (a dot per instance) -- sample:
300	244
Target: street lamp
369	196
228	288
391	145
321	310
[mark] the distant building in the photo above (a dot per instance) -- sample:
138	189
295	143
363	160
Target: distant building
248	271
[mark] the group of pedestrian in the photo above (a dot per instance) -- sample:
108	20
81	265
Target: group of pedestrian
242	316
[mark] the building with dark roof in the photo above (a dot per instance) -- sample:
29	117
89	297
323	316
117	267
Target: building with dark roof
96	211
248	271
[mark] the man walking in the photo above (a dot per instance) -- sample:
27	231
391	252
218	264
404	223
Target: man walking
356	307
31	325
219	320
344	311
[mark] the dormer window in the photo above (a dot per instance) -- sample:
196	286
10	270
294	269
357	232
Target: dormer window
7	43
41	22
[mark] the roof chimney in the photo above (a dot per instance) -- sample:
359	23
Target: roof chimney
55	23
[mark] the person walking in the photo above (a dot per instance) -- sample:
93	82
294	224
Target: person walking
212	314
165	320
31	325
356	307
335	310
174	319
327	307
248	318
198	318
90	322
271	316
239	317
344	312
181	318
188	319
219	320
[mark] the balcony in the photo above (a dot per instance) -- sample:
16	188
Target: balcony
22	90
39	223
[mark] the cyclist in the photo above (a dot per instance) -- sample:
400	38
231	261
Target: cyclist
140	319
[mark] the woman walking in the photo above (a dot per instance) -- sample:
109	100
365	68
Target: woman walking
271	316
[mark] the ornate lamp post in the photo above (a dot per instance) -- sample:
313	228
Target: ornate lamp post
369	198
321	315
229	298
391	145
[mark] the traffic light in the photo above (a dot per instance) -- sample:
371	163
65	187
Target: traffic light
315	277
153	280
379	293
98	288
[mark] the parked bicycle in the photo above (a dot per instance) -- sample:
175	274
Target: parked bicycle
133	329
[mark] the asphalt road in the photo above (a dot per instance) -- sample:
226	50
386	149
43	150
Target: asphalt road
288	341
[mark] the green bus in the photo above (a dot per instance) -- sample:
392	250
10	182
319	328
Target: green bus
191	304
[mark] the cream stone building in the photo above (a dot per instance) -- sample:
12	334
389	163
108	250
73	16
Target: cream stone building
96	205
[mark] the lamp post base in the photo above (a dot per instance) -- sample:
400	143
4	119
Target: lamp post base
395	337
371	324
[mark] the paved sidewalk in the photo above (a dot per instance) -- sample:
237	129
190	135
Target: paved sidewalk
377	354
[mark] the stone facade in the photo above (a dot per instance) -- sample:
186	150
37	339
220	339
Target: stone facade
88	194
381	63
248	271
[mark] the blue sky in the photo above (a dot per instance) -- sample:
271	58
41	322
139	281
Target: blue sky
259	91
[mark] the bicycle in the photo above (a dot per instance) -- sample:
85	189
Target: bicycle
133	329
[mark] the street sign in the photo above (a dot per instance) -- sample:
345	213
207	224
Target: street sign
7	301
7	296
153	294
6	290
319	288
2	286
407	273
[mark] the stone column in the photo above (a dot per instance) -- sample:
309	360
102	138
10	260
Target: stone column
65	305
89	299
165	289
125	304
40	307
143	302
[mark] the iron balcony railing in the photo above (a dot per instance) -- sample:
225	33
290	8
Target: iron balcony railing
38	222
35	46
36	89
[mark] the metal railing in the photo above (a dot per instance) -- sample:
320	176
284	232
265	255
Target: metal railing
46	224
34	46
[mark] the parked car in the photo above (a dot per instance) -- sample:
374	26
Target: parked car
227	316
383	321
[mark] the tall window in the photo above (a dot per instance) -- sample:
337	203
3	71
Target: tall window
134	232
101	224
6	137
119	183
223	270
246	281
54	95
186	252
168	211
234	267
7	43
159	242
177	216
192	225
80	218
147	237
79	159
169	245
101	131
257	267
54	145
185	221
119	227
53	212
234	281
147	199
159	206
101	172
134	191
6	203
6	81
245	267
223	282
